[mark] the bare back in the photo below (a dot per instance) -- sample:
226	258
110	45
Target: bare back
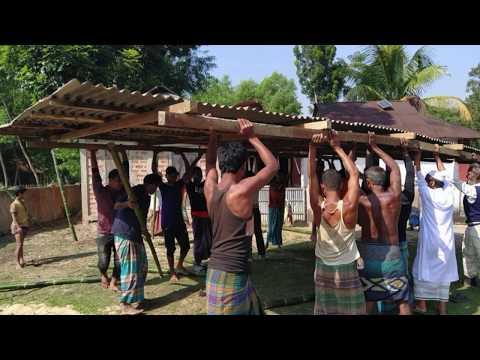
378	217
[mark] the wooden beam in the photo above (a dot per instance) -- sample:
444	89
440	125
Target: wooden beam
316	125
205	123
94	107
406	135
124	123
93	146
453	146
83	119
227	112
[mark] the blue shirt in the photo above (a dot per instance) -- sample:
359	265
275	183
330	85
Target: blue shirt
172	204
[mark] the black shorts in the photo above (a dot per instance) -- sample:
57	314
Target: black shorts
180	233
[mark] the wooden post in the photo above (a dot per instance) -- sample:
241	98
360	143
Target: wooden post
60	187
138	213
28	160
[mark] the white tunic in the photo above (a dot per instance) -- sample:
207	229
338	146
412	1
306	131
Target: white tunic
436	261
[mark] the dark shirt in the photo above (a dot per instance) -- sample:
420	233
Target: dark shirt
406	198
231	243
196	196
172	204
125	222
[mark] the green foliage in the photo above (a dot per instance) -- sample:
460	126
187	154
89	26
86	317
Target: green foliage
473	93
31	72
321	77
276	93
387	72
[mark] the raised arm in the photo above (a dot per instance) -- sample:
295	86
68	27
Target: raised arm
395	175
125	163
211	164
96	178
263	177
188	167
155	162
438	160
313	181
409	187
353	191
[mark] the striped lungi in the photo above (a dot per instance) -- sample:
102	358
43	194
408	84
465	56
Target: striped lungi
133	269
425	290
384	276
275	225
231	294
338	290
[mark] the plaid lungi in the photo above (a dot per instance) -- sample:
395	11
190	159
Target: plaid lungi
338	290
231	294
425	290
384	276
133	269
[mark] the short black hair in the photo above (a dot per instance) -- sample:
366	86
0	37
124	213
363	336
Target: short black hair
171	170
376	175
332	179
19	190
114	174
231	157
152	179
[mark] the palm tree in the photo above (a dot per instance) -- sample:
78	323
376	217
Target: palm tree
387	72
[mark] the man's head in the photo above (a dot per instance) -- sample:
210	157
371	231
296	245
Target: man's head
331	181
435	179
197	174
232	158
114	180
19	191
150	182
375	177
171	174
473	173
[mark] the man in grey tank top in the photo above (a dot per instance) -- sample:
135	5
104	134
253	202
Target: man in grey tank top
230	205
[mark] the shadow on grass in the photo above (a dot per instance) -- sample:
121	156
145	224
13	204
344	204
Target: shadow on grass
172	297
56	259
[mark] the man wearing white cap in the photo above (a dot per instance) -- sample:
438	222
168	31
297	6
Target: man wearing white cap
435	265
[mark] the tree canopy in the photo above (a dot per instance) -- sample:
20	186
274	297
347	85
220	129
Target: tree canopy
275	93
473	93
321	76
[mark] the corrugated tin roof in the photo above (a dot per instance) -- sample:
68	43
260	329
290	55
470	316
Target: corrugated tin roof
403	117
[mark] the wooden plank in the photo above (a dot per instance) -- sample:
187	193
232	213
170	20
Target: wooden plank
453	146
184	107
124	123
93	107
82	119
316	125
407	135
93	146
205	123
228	112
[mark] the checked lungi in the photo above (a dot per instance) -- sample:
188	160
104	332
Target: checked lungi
133	269
384	276
231	294
338	290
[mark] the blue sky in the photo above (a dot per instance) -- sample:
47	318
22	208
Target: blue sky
255	62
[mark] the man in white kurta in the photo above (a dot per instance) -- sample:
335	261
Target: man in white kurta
435	265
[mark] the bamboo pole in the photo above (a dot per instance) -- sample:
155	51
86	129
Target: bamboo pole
4	169
35	175
154	171
131	197
40	284
62	193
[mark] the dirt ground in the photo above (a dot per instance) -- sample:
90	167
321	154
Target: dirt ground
51	254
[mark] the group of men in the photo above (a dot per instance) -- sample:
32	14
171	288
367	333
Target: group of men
352	276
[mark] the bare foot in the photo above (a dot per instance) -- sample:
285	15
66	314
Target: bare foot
174	278
104	282
20	266
128	309
202	293
182	271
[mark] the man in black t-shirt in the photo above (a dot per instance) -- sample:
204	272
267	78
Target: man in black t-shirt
201	225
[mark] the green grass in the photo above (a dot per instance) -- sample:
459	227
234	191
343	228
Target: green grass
287	272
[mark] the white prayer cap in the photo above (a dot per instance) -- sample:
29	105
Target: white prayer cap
437	175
